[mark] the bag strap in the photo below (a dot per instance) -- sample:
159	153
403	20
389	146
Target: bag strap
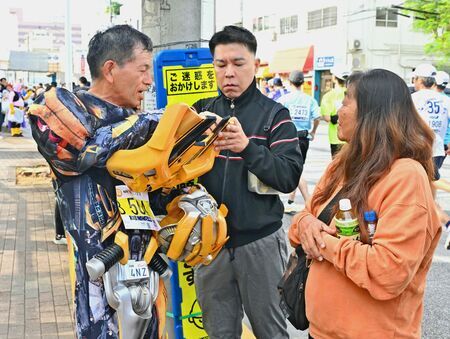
275	109
325	215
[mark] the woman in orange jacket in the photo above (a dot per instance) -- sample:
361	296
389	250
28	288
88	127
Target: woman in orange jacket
362	288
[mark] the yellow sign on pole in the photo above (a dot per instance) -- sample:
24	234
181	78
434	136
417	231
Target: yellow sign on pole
190	309
189	84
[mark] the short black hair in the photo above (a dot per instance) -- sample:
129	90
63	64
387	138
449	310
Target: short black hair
297	83
3	79
233	34
428	82
340	81
117	43
83	80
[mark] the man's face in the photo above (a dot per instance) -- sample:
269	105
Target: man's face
417	83
4	82
235	68
132	79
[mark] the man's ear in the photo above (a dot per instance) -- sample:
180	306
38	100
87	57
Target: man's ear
108	70
257	63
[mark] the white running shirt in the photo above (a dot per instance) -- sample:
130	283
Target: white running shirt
434	109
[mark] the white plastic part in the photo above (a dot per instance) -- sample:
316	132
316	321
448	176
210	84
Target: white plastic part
345	205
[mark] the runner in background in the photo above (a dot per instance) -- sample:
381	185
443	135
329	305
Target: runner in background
305	114
432	107
278	91
442	80
331	102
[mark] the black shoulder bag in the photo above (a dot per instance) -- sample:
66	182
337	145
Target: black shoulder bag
292	285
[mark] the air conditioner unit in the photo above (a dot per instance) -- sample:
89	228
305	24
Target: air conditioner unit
356	44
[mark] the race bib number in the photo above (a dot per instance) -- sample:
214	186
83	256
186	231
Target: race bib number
299	112
135	209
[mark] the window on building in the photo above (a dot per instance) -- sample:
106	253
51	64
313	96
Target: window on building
289	24
263	23
386	17
266	22
329	16
322	18
315	19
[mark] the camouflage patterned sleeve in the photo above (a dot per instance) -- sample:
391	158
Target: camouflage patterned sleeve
73	138
131	133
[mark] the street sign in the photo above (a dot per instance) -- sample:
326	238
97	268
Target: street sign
324	62
184	75
189	84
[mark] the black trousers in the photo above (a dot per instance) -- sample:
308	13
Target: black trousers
303	142
335	148
2	119
59	227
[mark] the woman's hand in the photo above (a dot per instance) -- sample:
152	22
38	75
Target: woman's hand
309	230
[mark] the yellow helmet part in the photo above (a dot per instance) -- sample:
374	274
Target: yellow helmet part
194	230
175	153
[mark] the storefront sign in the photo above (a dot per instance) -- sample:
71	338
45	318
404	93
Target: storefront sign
324	62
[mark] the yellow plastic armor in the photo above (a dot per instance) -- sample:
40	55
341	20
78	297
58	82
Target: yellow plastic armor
176	153
194	229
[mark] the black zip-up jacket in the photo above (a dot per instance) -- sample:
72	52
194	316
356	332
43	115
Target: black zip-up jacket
273	156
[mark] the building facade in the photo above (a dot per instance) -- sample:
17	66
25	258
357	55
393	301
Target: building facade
315	36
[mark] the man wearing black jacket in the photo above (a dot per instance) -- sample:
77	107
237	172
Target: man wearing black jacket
246	272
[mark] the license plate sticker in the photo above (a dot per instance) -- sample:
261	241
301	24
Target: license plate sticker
134	270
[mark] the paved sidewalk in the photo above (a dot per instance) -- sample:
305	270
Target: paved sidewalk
34	281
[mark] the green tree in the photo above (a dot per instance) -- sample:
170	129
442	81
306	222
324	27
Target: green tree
432	17
114	8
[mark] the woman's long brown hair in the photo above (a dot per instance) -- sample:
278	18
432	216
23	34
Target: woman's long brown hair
388	128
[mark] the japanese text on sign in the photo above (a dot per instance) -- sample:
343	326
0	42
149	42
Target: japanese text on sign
190	309
190	80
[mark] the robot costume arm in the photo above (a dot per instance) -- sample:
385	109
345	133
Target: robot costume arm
128	134
73	139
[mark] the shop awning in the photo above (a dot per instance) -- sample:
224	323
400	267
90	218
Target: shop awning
287	60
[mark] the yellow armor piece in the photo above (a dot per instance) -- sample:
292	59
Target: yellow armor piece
121	239
194	229
179	150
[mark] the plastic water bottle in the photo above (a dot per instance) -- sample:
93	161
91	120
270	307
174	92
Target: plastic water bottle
370	217
347	223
